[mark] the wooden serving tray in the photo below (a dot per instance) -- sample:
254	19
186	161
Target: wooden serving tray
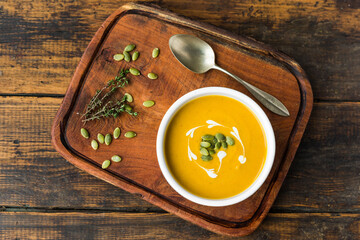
149	27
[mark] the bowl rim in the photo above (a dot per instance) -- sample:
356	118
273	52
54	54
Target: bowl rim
259	113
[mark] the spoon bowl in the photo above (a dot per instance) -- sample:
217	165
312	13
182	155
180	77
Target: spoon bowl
192	52
198	56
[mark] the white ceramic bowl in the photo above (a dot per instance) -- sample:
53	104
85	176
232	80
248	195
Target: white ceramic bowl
264	121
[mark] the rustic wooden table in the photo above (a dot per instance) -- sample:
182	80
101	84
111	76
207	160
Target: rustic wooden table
42	196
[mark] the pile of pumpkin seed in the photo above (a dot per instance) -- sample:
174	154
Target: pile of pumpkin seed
210	144
107	139
126	55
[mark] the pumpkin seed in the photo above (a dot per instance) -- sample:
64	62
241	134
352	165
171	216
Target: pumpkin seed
118	57
130	134
155	52
134	71
117	133
212	145
129	98
129	47
220	137
212	152
205	144
215	140
85	133
152	75
230	141
204	151
127	56
128	108
105	164
100	138
217	145
108	139
148	103
116	158
94	144
135	55
207	137
224	145
206	158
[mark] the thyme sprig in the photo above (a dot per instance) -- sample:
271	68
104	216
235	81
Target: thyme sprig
100	104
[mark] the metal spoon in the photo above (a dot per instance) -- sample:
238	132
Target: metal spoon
198	56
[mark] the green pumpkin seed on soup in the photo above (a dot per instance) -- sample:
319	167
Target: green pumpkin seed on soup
207	137
204	151
205	144
230	141
206	158
217	145
220	137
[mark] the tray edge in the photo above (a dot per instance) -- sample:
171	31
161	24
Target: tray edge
294	141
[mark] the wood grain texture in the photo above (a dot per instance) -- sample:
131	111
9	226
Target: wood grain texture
140	174
70	225
321	179
46	40
32	173
330	149
41	43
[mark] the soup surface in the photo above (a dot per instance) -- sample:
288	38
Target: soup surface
231	170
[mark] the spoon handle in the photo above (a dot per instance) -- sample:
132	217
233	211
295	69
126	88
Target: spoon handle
269	101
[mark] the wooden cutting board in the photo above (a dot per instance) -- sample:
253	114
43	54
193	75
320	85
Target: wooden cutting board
149	27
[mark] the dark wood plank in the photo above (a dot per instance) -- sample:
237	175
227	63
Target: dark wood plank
327	163
32	172
45	41
79	225
323	177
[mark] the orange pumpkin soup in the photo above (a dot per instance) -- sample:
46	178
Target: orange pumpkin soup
232	169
